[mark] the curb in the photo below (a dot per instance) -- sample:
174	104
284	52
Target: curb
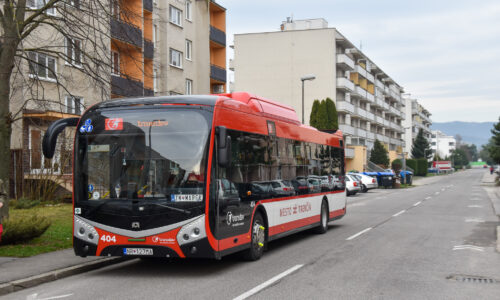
32	281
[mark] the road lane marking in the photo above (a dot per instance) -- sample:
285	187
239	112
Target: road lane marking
417	204
35	297
468	247
357	204
474	206
442	190
436	193
399	213
474	220
427	198
264	285
358	234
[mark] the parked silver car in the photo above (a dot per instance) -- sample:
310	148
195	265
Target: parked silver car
367	182
352	185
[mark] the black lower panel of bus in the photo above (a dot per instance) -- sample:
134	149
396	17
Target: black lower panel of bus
198	249
83	248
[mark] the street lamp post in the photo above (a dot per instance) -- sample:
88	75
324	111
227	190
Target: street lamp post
304	78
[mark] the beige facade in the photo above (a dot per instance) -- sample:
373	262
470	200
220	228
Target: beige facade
369	102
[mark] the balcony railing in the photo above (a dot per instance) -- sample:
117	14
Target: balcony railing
370	97
345	84
149	49
126	32
345	62
218	36
360	70
148	5
218	73
346	129
126	87
370	77
345	106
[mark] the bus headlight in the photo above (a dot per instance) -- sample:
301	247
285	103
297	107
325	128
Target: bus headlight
192	232
85	231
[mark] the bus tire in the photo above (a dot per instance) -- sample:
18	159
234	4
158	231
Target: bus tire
323	219
258	240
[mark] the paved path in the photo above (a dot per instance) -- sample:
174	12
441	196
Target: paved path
418	243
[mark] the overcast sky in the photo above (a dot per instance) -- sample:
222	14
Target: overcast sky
446	53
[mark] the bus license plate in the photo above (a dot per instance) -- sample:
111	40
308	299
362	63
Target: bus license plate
137	251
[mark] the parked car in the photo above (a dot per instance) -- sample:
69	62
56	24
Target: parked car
351	185
301	186
315	186
282	188
327	183
367	182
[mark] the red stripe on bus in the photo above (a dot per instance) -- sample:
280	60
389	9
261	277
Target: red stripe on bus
293	225
337	213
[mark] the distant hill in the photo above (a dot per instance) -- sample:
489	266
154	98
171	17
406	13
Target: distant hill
477	133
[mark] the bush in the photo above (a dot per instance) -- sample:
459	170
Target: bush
23	203
396	165
421	167
412	163
23	229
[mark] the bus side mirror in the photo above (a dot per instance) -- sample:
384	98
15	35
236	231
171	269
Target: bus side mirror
223	147
50	138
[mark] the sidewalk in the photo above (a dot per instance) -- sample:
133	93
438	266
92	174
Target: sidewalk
488	182
20	273
418	181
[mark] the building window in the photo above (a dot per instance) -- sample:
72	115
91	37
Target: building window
115	63
73	51
189	49
38	4
189	87
155	35
175	16
115	9
155	80
74	105
42	66
188	10
175	58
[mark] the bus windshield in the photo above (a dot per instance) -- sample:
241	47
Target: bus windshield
142	162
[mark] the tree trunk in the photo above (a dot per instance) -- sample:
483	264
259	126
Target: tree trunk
7	57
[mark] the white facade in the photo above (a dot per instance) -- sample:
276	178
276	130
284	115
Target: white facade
369	102
442	144
417	117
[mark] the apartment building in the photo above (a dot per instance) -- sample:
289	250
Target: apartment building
147	47
442	144
368	100
417	118
189	40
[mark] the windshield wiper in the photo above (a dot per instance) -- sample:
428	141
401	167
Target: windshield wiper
184	211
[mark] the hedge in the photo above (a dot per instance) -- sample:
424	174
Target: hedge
23	229
412	163
422	167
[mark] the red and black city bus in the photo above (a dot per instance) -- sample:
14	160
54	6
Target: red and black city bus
198	176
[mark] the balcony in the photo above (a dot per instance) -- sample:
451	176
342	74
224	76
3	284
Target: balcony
218	73
345	62
346	129
370	116
345	84
359	69
370	77
218	36
370	97
149	49
394	111
361	92
360	112
126	32
349	153
360	133
379	84
379	120
345	106
147	5
126	87
370	135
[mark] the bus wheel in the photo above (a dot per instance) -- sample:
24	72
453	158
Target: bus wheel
323	222
258	239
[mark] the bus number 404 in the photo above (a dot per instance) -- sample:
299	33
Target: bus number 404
108	238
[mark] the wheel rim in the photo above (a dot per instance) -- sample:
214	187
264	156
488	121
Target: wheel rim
258	235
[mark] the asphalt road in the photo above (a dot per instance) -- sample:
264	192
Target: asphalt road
425	242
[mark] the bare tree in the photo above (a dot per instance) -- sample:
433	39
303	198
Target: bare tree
34	33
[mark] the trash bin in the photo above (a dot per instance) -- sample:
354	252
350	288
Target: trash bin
385	179
406	177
